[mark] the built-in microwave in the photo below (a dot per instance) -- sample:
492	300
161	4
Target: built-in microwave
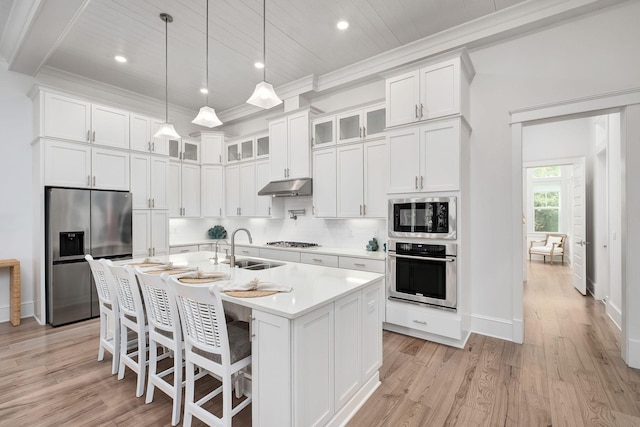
430	218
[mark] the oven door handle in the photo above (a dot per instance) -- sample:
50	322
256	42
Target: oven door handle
422	258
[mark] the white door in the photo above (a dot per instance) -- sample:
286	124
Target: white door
159	232
324	183
402	94
212	148
350	181
140	185
263	203
440	156
67	164
141	243
248	193
376	171
158	145
139	128
404	160
191	190
579	230
173	190
110	127
110	169
440	90
158	182
212	191
66	118
299	146
279	152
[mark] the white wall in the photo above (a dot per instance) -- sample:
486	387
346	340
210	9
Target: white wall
331	233
15	186
586	56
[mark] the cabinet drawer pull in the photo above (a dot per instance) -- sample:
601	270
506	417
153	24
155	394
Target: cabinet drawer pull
153	147
153	203
360	210
244	252
94	136
422	182
416	182
148	203
149	146
88	136
89	180
360	132
94	180
359	264
364	131
422	322
421	110
154	251
416	111
316	259
364	209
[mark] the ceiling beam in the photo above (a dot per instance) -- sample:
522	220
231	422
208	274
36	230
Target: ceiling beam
34	30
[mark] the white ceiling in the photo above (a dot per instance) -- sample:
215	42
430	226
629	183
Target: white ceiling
82	36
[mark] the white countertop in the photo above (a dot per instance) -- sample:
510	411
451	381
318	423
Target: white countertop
313	286
358	253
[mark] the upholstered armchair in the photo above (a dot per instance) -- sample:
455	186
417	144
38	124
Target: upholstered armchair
552	245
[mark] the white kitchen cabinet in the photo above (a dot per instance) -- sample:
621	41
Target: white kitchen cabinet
350	192
323	359
78	165
324	183
424	319
272	370
141	131
211	147
183	190
149	181
348	348
319	259
185	249
324	132
150	232
240	190
376	172
361	124
71	119
426	158
185	150
352	263
212	191
262	146
438	89
289	145
277	254
314	364
266	206
361	180
109	126
65	118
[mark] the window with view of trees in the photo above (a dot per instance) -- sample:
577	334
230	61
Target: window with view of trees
546	199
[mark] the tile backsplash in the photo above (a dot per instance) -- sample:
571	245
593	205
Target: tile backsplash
336	233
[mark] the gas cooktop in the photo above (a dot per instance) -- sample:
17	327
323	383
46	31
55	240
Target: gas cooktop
282	244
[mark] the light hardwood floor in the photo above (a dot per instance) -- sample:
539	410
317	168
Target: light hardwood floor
568	372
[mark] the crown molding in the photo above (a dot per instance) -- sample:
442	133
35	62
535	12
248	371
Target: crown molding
99	92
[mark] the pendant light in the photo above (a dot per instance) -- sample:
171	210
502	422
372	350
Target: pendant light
207	116
166	130
264	96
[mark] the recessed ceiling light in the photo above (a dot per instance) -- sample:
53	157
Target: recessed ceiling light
342	25
204	90
259	65
120	58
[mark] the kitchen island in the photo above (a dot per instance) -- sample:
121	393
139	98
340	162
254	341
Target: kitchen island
316	350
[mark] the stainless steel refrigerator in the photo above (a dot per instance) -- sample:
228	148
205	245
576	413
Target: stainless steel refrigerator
80	222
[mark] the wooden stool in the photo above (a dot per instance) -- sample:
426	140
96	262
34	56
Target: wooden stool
14	304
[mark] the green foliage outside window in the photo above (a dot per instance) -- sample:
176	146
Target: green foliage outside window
546	172
546	206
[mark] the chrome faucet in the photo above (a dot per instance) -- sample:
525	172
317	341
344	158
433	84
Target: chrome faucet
232	258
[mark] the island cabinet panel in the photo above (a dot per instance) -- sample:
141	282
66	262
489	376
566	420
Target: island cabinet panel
271	370
314	367
348	347
372	307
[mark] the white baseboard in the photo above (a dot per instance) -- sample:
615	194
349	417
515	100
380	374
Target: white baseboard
614	313
497	328
26	310
634	354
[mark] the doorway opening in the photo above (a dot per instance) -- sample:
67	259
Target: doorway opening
571	185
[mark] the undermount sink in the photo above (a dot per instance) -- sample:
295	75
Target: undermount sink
253	264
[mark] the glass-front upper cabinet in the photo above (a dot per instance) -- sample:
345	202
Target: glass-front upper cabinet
362	124
185	150
262	146
323	132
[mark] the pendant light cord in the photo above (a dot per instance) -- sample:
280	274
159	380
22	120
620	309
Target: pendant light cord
264	40
207	53
166	69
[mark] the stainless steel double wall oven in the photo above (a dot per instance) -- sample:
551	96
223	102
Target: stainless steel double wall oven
422	269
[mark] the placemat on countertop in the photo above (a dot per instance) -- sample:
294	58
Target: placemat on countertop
170	272
250	294
197	280
146	264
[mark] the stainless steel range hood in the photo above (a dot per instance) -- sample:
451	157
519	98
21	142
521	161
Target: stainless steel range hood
287	188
